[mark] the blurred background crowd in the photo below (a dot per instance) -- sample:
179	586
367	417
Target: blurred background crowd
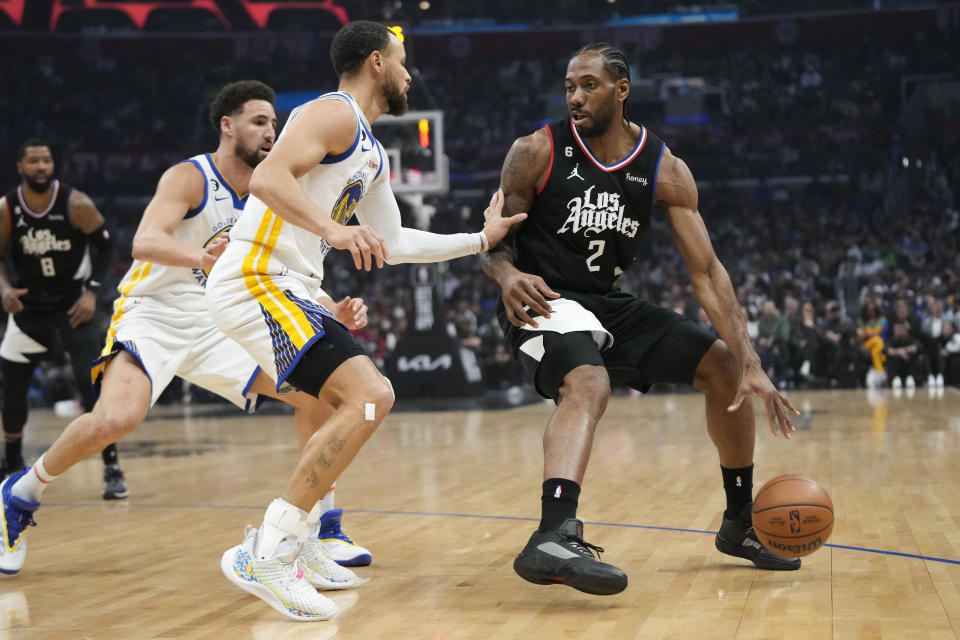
829	172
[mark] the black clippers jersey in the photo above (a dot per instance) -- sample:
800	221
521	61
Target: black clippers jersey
588	221
48	251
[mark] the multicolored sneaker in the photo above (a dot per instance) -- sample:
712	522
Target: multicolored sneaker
115	486
15	516
322	571
341	548
280	584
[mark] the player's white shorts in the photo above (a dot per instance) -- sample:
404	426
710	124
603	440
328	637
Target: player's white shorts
273	317
172	342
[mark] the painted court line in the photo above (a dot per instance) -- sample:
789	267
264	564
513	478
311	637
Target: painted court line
440	514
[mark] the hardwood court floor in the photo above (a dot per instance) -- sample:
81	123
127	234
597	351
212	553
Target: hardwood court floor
445	500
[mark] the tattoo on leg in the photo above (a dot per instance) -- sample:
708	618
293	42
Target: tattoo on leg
313	479
323	462
336	444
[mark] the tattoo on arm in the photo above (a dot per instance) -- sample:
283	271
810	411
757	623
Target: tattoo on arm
313	479
516	167
336	444
522	168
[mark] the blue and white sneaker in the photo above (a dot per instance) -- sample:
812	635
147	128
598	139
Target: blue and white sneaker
341	548
15	516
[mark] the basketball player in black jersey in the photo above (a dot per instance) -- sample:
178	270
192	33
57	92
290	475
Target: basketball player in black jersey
60	250
589	183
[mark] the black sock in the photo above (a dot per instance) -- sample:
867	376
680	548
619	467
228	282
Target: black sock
14	449
558	502
109	454
738	485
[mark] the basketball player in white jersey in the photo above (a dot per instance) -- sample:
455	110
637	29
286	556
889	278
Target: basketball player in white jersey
161	327
326	167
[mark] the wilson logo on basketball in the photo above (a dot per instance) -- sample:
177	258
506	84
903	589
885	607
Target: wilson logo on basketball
794	547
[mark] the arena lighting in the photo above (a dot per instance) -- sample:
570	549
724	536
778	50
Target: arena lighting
13	9
424	126
138	11
424	6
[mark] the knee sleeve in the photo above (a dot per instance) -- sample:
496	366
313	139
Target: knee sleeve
16	384
547	357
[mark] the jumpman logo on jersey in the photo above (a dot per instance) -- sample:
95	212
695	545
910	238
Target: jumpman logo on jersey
363	140
575	172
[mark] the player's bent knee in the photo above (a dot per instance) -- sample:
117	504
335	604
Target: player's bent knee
378	400
718	371
587	384
112	425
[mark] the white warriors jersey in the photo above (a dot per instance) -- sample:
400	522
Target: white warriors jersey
183	287
336	185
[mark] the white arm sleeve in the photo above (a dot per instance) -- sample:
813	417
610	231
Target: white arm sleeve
378	209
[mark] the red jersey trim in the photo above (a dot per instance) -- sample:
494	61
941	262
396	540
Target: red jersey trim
618	165
46	210
550	168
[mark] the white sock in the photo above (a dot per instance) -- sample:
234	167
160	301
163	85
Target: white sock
326	504
282	521
32	484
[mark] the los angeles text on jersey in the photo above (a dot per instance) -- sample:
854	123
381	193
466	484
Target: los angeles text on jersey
38	242
596	212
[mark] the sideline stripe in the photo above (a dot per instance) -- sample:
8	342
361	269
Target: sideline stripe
440	514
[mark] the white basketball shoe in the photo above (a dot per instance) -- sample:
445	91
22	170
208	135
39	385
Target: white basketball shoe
279	583
339	545
321	570
16	514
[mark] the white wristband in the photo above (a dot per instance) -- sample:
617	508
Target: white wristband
484	243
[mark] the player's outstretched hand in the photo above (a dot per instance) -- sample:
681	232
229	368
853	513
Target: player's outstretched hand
496	226
352	312
364	244
754	382
11	300
213	251
83	309
522	290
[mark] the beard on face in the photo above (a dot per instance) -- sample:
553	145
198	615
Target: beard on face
248	155
602	119
393	94
39	187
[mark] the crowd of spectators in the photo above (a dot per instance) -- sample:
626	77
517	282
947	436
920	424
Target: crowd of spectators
857	247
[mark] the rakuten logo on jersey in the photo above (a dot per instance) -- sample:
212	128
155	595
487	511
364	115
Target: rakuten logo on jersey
598	212
37	242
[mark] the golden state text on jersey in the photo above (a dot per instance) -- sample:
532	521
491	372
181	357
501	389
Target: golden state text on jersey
346	204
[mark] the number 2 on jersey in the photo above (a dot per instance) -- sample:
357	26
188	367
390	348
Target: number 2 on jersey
599	245
46	267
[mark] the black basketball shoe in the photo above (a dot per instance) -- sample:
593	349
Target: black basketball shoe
737	538
562	557
10	468
115	485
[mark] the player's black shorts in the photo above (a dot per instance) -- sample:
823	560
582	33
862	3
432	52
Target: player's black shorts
638	342
30	337
323	357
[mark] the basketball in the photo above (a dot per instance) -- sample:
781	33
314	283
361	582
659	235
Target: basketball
792	515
